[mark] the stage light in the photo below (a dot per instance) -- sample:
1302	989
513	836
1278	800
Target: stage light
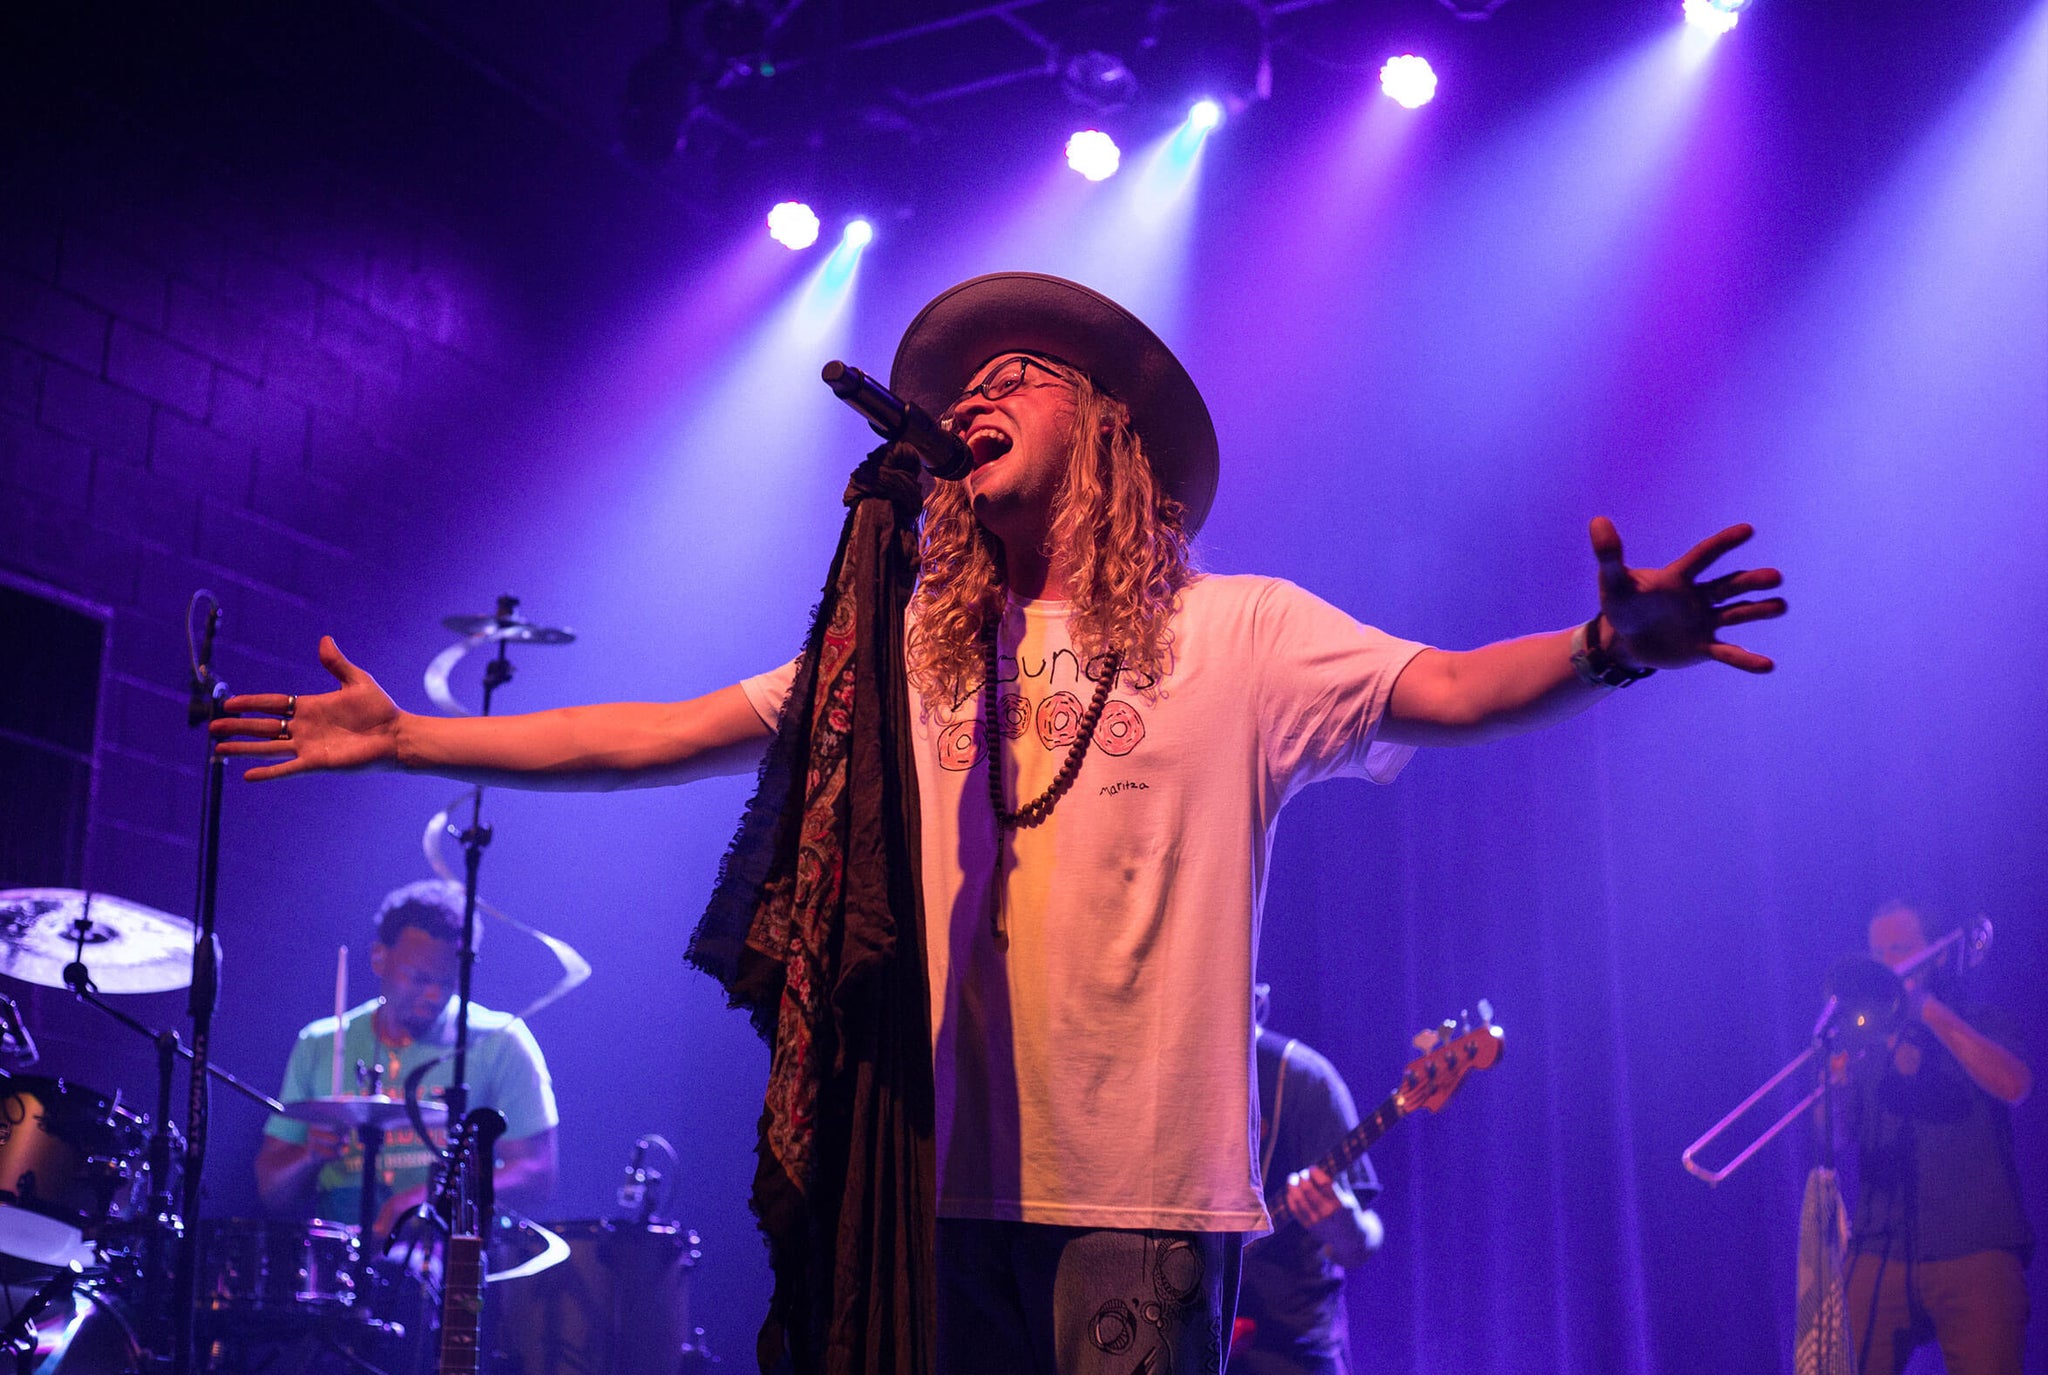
1093	154
1204	115
793	224
1408	81
1714	17
837	274
1099	80
1216	48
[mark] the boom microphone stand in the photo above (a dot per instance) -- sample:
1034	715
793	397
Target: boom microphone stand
474	838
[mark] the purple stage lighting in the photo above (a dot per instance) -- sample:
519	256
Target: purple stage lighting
1093	154
1409	81
793	224
859	234
1714	17
1204	115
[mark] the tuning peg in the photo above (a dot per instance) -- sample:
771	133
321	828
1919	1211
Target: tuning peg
1485	1013
1426	1039
1449	1028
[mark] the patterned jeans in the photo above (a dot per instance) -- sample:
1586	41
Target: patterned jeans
1023	1298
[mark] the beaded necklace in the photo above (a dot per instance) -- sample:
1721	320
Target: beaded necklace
1039	808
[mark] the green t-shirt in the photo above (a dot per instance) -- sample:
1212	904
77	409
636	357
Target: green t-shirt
506	1072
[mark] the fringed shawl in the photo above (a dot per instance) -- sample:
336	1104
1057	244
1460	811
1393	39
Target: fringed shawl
815	928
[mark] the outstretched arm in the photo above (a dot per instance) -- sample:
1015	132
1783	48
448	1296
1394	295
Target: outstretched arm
614	745
1649	618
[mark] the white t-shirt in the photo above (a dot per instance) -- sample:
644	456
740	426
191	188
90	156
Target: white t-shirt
1099	1072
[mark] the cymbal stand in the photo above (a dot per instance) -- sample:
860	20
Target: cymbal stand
166	1223
79	981
474	838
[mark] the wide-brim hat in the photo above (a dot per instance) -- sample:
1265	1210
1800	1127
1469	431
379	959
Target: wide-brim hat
1030	312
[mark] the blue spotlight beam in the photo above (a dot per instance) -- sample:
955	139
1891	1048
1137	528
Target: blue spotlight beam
845	258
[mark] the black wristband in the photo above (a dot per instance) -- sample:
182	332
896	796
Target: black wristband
1597	667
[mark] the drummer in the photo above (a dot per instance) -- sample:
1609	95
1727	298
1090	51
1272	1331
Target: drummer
307	1170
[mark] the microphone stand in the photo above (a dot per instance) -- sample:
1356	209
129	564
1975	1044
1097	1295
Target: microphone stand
208	693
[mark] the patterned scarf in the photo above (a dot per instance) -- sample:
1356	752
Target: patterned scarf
816	929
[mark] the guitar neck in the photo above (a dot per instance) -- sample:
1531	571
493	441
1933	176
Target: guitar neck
462	1304
1360	1138
1344	1154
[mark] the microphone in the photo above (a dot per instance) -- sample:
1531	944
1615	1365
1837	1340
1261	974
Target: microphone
199	706
944	454
633	1192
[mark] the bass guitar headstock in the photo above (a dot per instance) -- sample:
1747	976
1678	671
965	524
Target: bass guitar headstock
1450	1051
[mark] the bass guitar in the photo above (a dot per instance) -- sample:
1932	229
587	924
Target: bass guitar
1449	1053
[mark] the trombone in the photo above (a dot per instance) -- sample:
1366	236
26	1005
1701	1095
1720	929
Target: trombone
1866	1002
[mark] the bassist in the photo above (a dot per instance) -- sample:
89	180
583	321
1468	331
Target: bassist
1291	1318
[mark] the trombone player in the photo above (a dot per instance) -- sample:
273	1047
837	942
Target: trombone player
1938	1236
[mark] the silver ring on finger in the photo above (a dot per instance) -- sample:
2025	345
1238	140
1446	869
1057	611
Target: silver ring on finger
291	706
284	730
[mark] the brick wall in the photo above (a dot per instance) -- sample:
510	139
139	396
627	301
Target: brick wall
191	402
289	302
273	287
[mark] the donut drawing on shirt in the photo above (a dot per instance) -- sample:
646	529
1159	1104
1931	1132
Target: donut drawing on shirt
1059	720
1013	715
959	745
1120	729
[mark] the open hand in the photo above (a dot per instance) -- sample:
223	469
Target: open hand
353	727
1667	618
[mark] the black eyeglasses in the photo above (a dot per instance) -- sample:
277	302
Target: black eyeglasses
1007	377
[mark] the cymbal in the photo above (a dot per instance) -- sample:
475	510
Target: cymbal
513	628
129	948
363	1110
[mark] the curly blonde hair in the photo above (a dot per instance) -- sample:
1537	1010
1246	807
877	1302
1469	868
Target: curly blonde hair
1120	534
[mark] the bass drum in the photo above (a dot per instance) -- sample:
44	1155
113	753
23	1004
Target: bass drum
67	1156
620	1302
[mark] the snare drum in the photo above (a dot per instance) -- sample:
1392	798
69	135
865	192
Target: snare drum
66	1155
273	1269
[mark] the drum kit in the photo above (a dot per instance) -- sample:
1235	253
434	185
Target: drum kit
88	1224
108	1265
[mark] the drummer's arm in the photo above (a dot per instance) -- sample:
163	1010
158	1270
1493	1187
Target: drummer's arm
526	1171
286	1171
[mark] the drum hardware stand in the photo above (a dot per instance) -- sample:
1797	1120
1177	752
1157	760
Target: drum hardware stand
79	981
166	1222
372	1137
17	1047
18	1335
